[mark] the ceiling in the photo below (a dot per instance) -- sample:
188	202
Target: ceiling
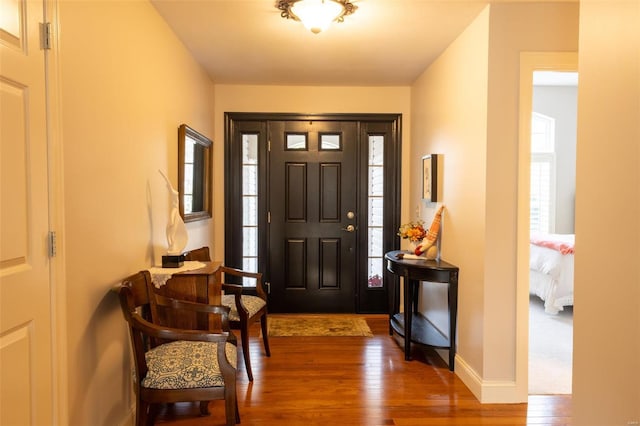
384	43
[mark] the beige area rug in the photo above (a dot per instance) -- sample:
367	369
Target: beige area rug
317	325
550	350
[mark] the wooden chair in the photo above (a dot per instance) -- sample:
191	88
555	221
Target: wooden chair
167	359
245	307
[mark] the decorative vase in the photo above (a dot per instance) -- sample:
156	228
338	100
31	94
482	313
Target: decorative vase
413	245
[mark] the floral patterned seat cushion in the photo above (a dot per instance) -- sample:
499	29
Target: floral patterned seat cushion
185	365
252	303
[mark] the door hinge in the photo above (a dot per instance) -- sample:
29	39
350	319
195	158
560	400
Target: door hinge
52	244
269	145
268	285
268	217
45	35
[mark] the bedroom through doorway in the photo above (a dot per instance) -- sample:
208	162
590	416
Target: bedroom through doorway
551	230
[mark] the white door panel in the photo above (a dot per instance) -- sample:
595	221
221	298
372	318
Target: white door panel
25	289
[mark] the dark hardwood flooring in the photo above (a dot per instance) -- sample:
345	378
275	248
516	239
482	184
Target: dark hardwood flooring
360	381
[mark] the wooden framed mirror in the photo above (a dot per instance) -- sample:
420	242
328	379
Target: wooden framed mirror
195	153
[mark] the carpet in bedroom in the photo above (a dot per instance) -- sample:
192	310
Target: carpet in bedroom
550	350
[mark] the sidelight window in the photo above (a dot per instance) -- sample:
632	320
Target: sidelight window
375	211
250	205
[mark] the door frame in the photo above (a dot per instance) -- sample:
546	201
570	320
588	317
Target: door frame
57	263
250	122
529	62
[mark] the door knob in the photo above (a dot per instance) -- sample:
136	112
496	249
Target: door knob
349	228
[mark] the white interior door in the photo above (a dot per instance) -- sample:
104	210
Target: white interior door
25	288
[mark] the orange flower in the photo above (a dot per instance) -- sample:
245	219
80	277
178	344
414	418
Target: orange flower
413	231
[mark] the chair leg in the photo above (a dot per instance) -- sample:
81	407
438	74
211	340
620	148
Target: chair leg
265	334
231	412
142	411
204	408
244	335
153	414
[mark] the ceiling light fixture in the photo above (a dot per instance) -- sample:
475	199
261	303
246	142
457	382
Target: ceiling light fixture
316	15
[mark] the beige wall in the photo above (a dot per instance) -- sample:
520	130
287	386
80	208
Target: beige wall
606	367
126	85
449	114
305	99
478	136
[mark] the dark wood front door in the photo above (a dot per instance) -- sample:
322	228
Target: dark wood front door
316	200
313	205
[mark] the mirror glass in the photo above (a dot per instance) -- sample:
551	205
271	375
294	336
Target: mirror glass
194	174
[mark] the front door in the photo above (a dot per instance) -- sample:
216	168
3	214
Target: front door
313	206
316	200
25	289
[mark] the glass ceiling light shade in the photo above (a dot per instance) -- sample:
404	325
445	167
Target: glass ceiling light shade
315	15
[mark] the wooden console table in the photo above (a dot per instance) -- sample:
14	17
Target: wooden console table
201	285
410	324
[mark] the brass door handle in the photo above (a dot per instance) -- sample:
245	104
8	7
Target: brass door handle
349	228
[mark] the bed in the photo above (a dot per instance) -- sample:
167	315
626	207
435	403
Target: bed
551	270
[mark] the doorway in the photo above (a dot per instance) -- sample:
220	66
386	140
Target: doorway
529	63
552	207
315	199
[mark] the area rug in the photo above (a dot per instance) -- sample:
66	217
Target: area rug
318	325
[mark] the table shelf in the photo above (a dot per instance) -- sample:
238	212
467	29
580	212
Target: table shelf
423	331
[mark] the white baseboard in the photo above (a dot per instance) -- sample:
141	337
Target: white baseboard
488	391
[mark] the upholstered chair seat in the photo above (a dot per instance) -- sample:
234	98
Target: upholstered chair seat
253	304
186	365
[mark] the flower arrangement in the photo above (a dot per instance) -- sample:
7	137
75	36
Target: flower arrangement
413	231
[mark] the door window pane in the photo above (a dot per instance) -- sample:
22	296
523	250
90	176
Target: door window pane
375	211
330	142
249	149
376	150
375	274
297	141
376	180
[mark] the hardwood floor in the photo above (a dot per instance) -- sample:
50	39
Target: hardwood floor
360	381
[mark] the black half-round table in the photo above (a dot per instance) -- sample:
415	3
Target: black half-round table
411	324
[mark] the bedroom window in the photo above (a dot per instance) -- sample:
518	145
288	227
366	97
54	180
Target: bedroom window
543	174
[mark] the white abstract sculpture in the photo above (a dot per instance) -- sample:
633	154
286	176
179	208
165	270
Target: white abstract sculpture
177	236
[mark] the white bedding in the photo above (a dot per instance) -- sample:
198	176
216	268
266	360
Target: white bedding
551	274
